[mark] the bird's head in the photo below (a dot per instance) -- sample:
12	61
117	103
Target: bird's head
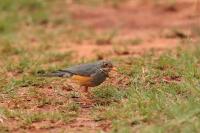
106	66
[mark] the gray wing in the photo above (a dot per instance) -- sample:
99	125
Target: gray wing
83	69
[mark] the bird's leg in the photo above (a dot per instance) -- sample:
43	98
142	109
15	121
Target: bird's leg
85	89
87	92
87	97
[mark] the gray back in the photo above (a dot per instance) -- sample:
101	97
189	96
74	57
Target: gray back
84	69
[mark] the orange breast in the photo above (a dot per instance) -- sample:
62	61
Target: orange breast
82	80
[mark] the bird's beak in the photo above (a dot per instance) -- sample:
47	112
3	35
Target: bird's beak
114	69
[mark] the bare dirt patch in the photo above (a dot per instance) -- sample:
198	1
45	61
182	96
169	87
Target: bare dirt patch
147	21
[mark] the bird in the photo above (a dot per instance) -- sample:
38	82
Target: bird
86	75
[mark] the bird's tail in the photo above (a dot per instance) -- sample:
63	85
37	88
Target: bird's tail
58	73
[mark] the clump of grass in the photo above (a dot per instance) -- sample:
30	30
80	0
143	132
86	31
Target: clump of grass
121	50
63	116
135	41
165	61
89	2
40	17
113	3
4	129
53	57
80	35
31	81
44	101
14	84
106	38
176	33
74	94
19	67
9	5
30	118
8	48
27	118
72	107
107	94
7	24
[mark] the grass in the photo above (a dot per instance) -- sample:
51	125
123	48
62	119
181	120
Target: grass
106	38
135	41
29	118
107	94
73	106
162	95
14	13
113	3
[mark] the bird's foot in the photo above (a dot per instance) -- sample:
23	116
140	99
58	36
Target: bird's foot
85	89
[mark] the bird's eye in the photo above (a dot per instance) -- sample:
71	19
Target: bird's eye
105	64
